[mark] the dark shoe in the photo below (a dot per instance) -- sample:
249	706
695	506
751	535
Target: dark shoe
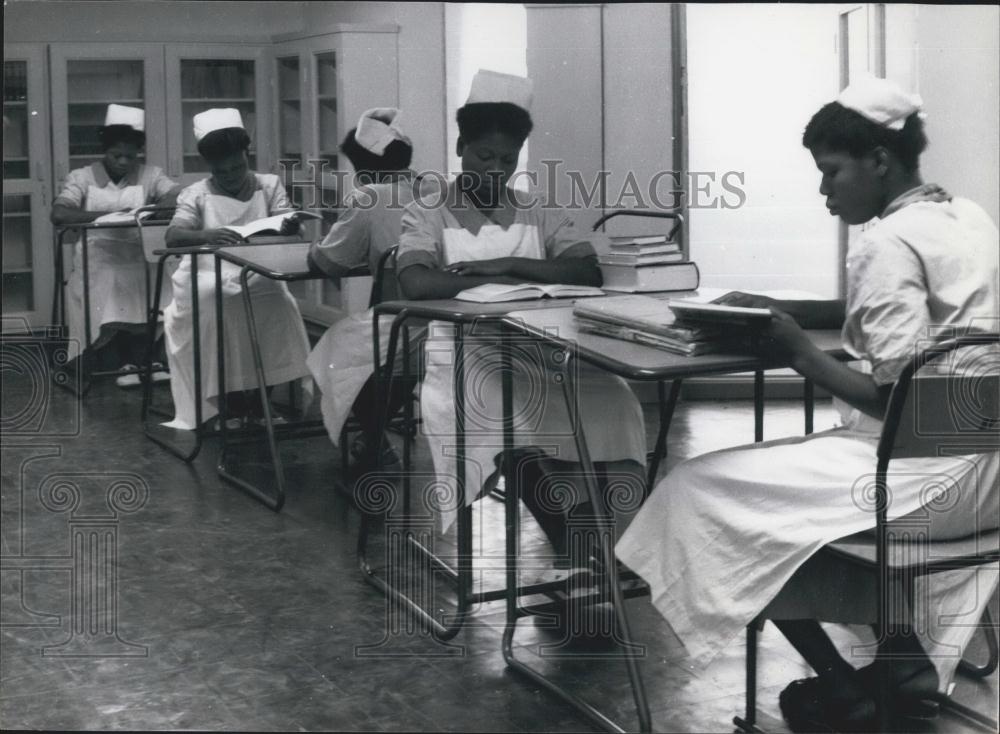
362	454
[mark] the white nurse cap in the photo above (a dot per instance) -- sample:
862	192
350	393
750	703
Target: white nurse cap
132	117
881	101
218	118
493	86
377	128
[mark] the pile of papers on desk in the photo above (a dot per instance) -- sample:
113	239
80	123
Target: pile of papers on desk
650	321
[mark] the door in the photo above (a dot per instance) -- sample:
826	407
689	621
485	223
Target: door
28	274
203	76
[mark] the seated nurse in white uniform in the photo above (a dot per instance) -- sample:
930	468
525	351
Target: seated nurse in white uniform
116	263
723	533
480	231
232	195
341	362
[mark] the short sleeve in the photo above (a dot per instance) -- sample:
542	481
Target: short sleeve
160	185
562	238
346	244
887	311
420	242
74	190
188	213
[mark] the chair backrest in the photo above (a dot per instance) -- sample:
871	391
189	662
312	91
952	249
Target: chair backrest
946	401
385	286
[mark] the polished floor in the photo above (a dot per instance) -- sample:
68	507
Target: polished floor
223	615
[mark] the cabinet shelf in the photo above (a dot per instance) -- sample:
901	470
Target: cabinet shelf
17	270
15	158
105	102
239	100
15	103
7	215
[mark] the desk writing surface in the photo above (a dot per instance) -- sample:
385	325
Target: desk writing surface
453	310
636	361
285	260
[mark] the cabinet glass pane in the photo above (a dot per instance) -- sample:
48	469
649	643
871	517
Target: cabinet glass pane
93	84
17	277
326	99
15	120
289	120
208	83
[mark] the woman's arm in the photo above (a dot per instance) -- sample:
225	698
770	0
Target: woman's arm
853	387
63	215
422	283
169	199
178	236
569	270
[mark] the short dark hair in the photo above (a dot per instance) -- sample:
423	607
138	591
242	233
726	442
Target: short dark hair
110	135
223	143
479	119
838	128
396	156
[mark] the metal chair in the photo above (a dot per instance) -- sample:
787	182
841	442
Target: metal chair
956	414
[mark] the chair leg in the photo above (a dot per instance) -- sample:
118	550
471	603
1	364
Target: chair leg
748	722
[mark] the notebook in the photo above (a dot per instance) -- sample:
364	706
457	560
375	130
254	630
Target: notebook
270	225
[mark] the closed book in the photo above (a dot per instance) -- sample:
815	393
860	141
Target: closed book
676	276
629	249
666	343
620	240
652	258
643	313
696	313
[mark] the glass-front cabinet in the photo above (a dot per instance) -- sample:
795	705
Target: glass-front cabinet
200	77
86	78
27	235
323	81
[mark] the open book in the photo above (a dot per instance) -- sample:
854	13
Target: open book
121	217
270	225
499	292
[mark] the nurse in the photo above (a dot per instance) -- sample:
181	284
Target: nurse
481	231
722	533
341	362
116	263
232	195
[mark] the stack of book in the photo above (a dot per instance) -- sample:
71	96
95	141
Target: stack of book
637	264
682	327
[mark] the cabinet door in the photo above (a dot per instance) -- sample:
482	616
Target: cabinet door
202	76
86	78
27	235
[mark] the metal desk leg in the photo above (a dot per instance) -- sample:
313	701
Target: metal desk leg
86	290
151	432
758	406
748	722
277	500
809	403
667	406
607	560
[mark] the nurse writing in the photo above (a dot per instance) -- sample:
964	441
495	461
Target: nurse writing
232	195
723	533
116	263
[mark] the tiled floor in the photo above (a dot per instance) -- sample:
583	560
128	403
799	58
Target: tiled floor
232	617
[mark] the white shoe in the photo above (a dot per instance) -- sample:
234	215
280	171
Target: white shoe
126	381
159	372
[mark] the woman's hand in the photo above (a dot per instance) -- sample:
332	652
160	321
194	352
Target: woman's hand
746	300
222	237
289	227
497	266
785	338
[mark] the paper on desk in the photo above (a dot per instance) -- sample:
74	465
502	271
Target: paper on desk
120	217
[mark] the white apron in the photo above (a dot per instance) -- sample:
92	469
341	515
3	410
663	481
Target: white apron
116	271
722	533
281	333
608	409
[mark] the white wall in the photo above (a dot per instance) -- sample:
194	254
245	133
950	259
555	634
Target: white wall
756	74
